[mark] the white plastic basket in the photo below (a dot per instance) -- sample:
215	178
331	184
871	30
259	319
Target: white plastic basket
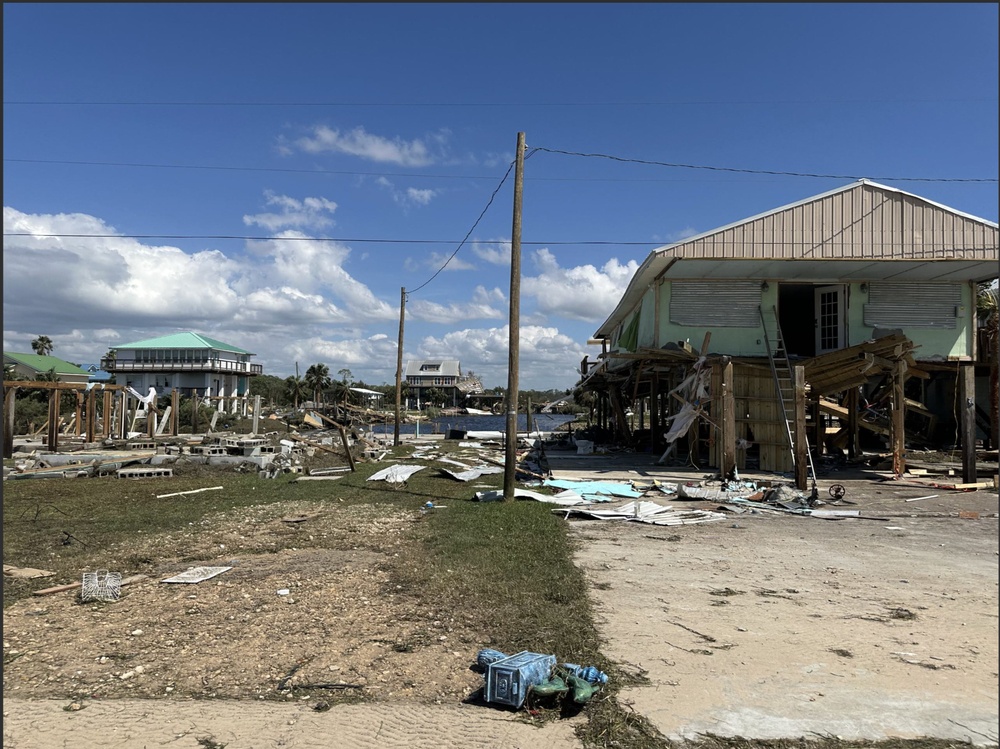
101	586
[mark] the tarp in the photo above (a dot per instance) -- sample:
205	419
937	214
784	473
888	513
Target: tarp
596	488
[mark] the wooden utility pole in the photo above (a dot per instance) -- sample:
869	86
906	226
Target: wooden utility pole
399	364
967	420
513	354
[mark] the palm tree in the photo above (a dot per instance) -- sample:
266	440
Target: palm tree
318	379
42	345
296	388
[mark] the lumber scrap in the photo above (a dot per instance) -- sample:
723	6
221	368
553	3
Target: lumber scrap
73	586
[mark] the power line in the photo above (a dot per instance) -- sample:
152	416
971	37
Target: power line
549	104
421	175
488	204
533	243
757	171
243	169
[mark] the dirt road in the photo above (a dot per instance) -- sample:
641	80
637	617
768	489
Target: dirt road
765	626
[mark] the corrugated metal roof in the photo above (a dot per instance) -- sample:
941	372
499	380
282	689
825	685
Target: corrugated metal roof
861	222
45	363
184	340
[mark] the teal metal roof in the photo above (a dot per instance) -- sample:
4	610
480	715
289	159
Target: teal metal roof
184	340
45	363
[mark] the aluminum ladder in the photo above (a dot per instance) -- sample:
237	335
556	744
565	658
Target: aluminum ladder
784	386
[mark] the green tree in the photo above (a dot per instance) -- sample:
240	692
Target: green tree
269	388
295	388
42	345
318	379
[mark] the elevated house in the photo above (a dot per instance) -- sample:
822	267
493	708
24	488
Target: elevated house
444	375
31	366
190	363
866	294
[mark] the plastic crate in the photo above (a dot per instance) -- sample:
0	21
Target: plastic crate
508	679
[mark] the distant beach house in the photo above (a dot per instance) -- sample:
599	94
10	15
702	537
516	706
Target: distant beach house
30	366
444	375
189	363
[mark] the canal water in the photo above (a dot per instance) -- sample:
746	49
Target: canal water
466	423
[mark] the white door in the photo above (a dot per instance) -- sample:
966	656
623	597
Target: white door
829	302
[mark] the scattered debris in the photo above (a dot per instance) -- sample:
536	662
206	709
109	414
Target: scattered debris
567	498
192	491
511	678
25	573
397	474
101	586
647	512
74	586
196	575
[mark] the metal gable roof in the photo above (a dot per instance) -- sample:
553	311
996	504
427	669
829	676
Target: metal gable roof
45	363
847	232
184	340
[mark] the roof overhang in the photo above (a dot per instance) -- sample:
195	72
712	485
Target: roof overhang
659	267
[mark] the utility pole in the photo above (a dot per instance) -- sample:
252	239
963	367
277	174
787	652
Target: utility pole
399	364
513	356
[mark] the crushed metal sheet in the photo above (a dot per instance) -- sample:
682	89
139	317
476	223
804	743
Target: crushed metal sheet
196	575
647	512
566	498
473	473
395	474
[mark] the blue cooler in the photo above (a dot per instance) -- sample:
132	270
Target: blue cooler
508	679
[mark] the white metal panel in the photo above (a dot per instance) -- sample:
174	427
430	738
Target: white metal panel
715	304
905	305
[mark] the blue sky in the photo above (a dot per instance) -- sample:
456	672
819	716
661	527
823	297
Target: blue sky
358	144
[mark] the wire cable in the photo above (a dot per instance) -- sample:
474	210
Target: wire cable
758	171
465	239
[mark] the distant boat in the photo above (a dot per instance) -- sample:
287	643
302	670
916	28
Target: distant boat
476	412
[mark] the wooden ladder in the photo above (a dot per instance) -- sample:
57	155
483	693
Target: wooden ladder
784	386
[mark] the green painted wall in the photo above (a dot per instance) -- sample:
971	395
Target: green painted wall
932	342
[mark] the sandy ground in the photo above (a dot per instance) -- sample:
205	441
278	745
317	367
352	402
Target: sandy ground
772	626
759	625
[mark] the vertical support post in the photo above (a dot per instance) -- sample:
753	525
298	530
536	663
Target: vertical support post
256	413
175	403
194	411
799	434
514	326
52	438
898	420
655	438
818	429
853	436
9	399
399	364
967	405
108	417
91	430
728	462
78	427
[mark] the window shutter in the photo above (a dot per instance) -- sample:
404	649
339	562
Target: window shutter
904	305
715	304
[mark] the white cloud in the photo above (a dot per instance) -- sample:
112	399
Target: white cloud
676	236
358	142
547	357
496	251
583	292
410	197
307	213
486	304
